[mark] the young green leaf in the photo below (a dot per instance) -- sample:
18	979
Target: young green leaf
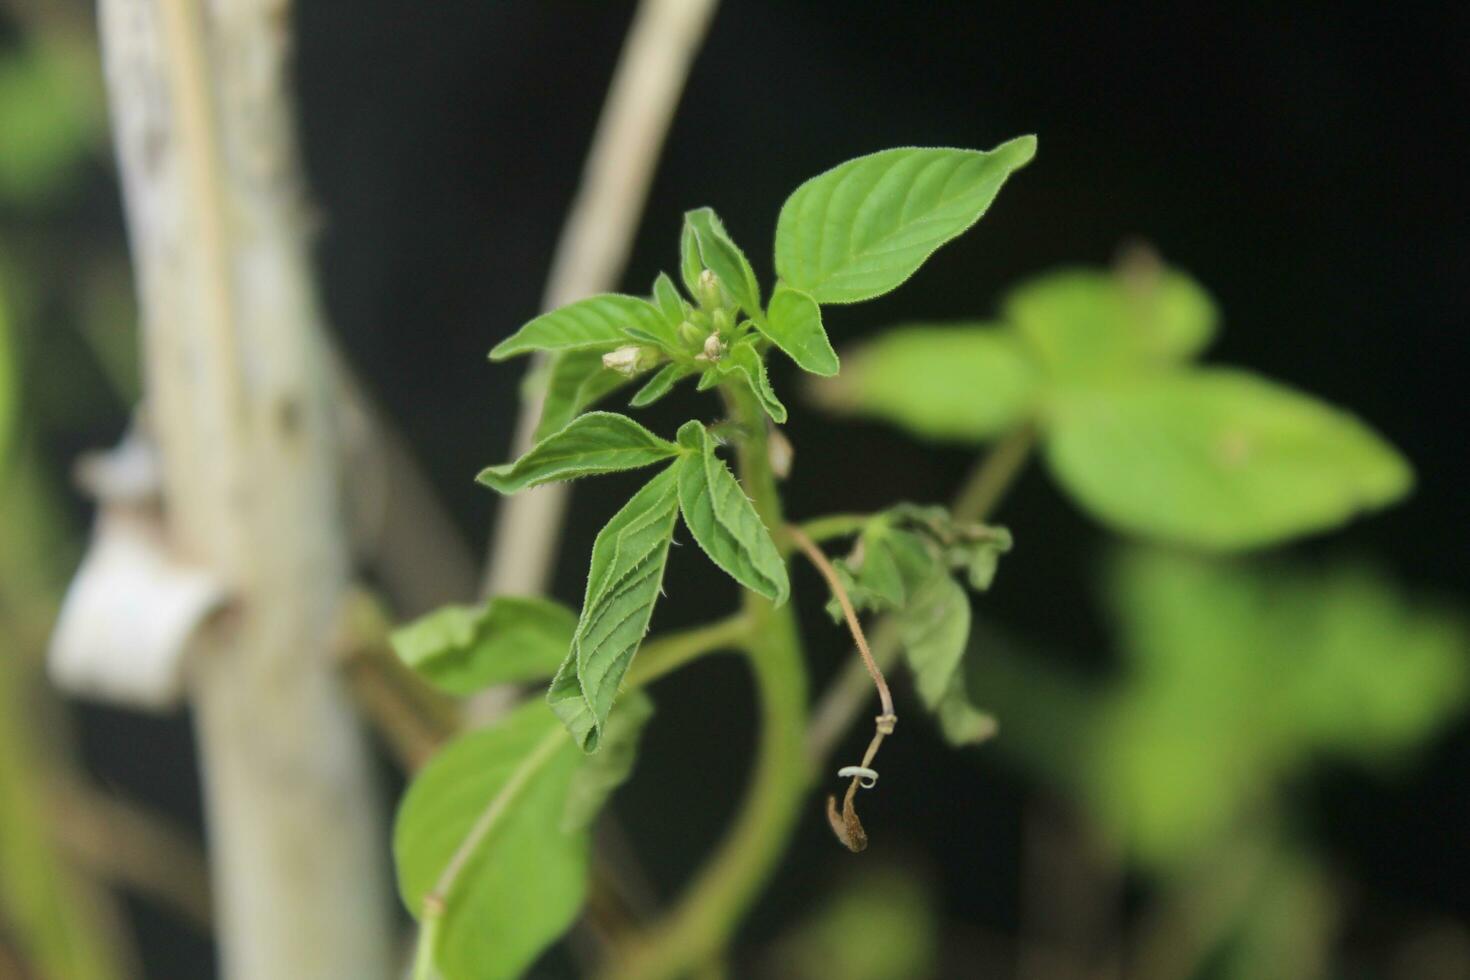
794	324
723	257
622	586
962	382
523	796
690	265
598	442
744	361
1085	324
723	520
464	649
1219	459
670	303
595	323
576	380
660	384
862	228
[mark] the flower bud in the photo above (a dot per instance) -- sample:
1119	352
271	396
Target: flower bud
714	347
709	290
630	360
690	334
721	320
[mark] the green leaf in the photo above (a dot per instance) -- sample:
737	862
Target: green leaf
603	772
1219	459
743	361
883	923
576	381
862	228
670	303
622	586
963	383
598	442
960	722
934	626
464	649
51	115
1237	675
526	879
690	265
723	257
595	323
794	324
723	520
1088	324
660	384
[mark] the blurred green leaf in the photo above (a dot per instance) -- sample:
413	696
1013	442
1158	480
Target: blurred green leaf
723	520
881	924
862	228
50	116
623	584
1218	459
591	444
464	649
962	382
526	875
1237	675
1087	324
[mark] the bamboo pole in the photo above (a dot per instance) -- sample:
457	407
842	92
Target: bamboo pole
238	394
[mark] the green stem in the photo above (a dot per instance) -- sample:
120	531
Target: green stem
831	526
668	653
423	957
701	924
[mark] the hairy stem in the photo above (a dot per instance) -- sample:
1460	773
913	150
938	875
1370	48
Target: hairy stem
976	501
701	924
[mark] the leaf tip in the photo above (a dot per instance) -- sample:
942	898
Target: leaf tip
1019	151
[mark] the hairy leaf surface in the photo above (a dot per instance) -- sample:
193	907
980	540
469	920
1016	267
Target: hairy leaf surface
623	584
464	649
575	381
862	228
723	257
598	442
660	384
599	322
744	361
1219	459
794	324
723	520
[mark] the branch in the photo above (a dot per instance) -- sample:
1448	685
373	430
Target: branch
976	501
594	248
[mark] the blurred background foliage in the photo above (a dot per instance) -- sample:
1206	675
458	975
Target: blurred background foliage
1244	766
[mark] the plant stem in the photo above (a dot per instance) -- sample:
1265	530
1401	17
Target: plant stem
668	653
993	476
830	526
976	501
701	924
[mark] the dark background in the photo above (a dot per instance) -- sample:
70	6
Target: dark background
1296	159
